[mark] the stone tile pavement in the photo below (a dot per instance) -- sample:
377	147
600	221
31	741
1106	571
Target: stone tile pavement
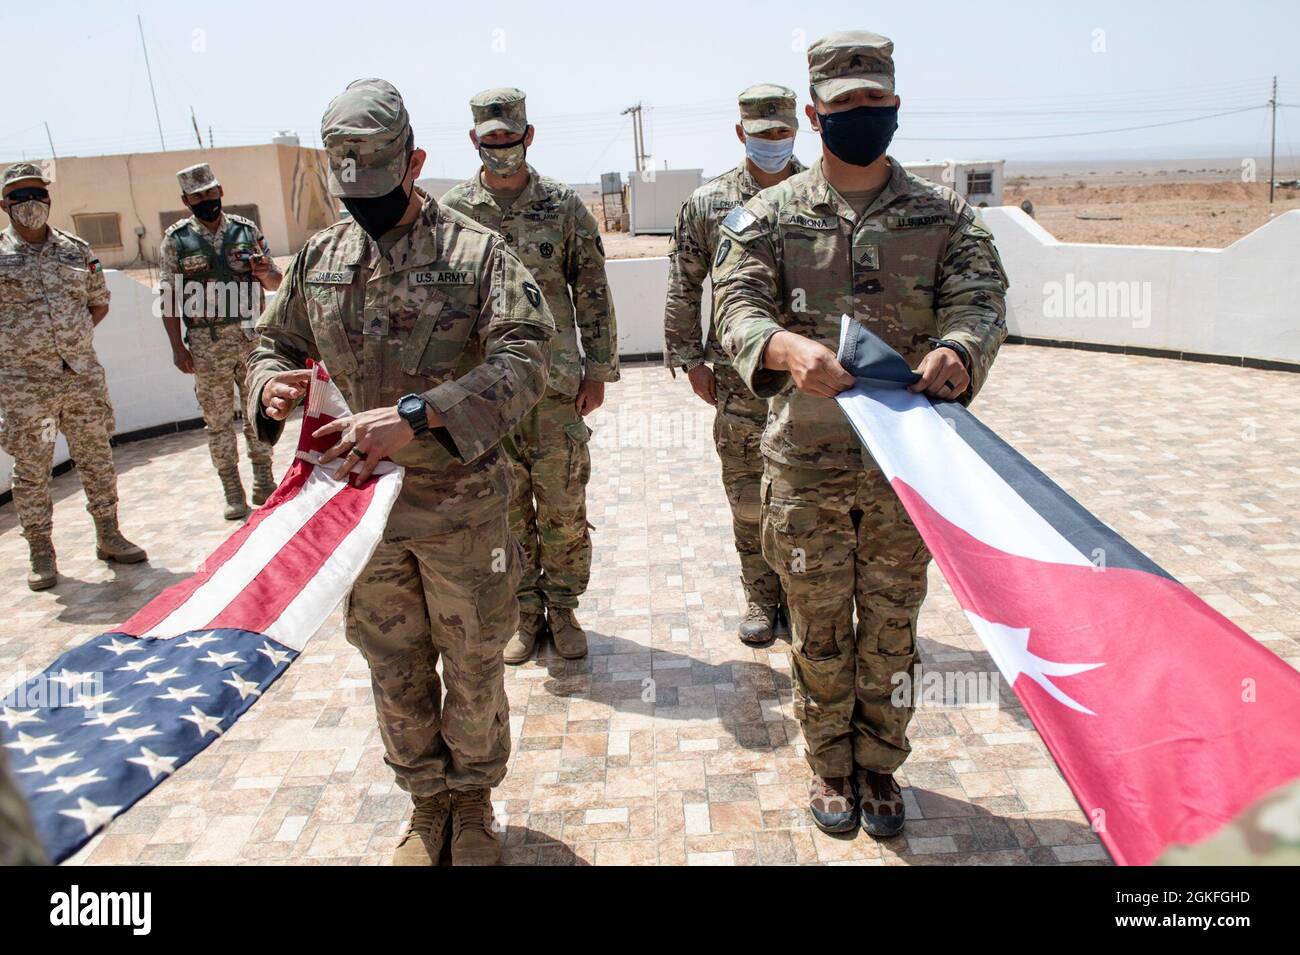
673	743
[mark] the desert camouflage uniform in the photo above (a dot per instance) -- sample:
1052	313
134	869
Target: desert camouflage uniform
50	379
739	415
916	264
220	351
449	313
19	844
557	239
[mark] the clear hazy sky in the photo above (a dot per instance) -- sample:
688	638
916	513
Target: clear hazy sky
971	74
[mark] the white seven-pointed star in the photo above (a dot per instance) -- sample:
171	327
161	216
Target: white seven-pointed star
48	764
135	666
119	647
157	765
108	719
197	643
1009	647
90	815
29	744
158	677
276	656
206	724
14	718
129	734
245	687
221	659
178	695
70	784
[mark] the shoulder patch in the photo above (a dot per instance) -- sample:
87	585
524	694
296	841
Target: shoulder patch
739	219
534	294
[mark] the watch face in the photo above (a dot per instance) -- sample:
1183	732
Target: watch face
410	404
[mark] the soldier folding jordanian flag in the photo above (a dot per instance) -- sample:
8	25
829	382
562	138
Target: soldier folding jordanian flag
1166	719
109	720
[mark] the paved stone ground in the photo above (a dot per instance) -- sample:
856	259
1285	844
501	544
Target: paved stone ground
1198	465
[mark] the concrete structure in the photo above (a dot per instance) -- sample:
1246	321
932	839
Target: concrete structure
979	181
121	204
656	197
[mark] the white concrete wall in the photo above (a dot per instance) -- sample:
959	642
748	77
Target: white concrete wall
639	287
144	385
1241	301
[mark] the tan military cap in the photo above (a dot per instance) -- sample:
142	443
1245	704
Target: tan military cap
767	106
501	108
365	130
855	59
24	170
196	179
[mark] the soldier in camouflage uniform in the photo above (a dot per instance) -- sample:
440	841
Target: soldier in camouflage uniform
19	844
854	235
215	265
554	234
1267	832
52	295
438	337
767	127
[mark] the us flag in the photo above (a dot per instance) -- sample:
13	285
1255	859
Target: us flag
113	718
1166	719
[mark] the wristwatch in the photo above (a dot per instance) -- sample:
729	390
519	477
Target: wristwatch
413	411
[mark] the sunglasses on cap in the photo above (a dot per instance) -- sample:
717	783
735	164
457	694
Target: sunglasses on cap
29	193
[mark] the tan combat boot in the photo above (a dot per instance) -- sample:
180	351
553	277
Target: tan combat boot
570	639
756	628
111	545
521	645
472	840
44	573
427	833
263	483
236	506
880	803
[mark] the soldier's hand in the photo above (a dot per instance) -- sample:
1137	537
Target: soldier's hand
704	383
283	390
591	395
368	437
260	265
942	375
183	360
812	365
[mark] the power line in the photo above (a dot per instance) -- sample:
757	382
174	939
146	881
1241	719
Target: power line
1092	132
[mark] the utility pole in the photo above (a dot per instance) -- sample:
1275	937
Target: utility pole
53	154
152	92
1272	144
195	120
639	121
635	111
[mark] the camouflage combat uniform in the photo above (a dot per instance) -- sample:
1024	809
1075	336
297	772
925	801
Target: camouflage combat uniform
50	378
451	314
557	239
219	343
739	415
916	264
19	844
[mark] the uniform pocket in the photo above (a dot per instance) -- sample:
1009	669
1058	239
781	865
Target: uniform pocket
579	437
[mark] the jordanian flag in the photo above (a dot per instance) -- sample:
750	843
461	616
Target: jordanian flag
111	719
1166	719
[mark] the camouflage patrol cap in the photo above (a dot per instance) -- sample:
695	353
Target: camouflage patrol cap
854	59
24	170
501	108
196	179
365	130
767	106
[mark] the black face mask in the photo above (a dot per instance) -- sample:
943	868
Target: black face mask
859	136
379	214
208	210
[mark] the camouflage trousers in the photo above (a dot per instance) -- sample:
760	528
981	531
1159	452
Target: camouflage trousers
19	844
220	367
448	597
78	406
737	432
550	464
842	542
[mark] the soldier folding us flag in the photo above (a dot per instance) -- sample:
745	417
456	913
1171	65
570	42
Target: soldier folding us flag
1166	719
109	720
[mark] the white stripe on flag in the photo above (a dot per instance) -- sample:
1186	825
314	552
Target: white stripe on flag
216	593
322	593
911	441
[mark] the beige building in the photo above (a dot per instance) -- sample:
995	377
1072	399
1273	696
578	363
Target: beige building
122	204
